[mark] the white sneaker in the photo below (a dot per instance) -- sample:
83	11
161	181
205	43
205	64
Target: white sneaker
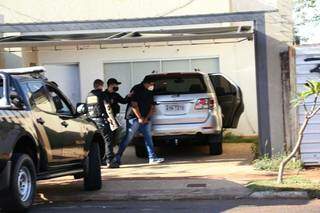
156	160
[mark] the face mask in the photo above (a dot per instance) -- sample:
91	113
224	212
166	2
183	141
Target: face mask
115	89
151	88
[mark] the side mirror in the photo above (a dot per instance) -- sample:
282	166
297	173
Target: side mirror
82	108
16	99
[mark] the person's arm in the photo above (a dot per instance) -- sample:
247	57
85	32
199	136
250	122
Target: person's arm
151	112
122	100
136	111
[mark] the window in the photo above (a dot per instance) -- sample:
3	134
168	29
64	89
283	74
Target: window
38	96
222	86
61	107
3	101
179	84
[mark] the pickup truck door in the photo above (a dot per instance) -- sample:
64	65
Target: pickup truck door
230	99
72	127
46	122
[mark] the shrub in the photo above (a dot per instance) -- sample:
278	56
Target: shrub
272	164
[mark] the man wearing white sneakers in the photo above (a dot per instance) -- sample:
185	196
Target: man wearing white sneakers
138	115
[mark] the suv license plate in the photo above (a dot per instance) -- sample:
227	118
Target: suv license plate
174	108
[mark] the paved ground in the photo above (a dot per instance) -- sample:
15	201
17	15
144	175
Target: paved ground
212	206
189	172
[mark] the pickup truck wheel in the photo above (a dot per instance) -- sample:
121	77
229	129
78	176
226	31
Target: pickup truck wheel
215	144
21	193
92	173
141	151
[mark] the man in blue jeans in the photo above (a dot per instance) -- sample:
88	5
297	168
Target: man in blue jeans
138	115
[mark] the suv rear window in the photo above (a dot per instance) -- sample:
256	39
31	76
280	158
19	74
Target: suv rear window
179	84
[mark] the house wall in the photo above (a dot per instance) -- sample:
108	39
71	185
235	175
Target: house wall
74	10
233	62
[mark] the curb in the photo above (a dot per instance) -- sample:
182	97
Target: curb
281	194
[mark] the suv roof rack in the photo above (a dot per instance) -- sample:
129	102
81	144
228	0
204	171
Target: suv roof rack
24	70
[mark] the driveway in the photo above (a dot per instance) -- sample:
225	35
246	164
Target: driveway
188	173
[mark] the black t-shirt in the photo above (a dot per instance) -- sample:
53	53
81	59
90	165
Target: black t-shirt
144	99
115	98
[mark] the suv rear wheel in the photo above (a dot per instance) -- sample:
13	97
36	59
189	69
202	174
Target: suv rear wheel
21	193
215	144
92	173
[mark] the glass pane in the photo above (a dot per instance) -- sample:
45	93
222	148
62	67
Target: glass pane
60	105
39	98
175	66
182	84
206	65
222	85
3	101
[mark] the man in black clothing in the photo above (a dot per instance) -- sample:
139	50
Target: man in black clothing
114	97
138	115
100	112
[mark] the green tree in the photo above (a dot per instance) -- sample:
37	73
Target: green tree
312	92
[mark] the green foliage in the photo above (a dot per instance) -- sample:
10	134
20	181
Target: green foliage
232	138
312	89
293	183
272	164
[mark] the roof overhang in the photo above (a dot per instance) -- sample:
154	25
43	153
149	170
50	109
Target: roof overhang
142	30
231	32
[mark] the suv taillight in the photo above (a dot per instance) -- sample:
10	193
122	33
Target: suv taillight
204	103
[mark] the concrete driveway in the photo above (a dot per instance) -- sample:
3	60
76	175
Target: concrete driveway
188	173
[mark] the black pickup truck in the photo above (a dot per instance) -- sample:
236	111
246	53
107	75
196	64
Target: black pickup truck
42	136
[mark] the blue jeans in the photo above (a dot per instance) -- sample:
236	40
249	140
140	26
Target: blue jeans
133	126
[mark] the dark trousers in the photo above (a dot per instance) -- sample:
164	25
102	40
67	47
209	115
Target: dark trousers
106	134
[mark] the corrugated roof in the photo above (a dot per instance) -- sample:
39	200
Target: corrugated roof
129	23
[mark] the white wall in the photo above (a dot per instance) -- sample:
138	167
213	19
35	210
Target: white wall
236	61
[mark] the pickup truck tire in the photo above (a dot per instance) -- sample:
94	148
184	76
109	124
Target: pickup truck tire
141	151
215	144
22	190
92	174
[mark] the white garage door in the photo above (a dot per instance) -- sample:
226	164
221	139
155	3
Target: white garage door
67	77
310	147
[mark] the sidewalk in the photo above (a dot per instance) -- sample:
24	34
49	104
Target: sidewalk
187	174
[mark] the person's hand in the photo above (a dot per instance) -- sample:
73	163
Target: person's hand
110	121
141	120
145	121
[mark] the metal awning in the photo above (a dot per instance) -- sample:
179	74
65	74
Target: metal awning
231	32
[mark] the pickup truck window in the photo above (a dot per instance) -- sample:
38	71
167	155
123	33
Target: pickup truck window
39	97
59	103
3	100
1	89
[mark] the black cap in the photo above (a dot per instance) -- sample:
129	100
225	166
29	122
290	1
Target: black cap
113	81
148	79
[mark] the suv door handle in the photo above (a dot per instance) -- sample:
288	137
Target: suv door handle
65	124
40	121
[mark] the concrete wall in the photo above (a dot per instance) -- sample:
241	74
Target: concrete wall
233	62
279	32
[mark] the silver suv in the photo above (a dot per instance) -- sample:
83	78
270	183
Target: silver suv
193	107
